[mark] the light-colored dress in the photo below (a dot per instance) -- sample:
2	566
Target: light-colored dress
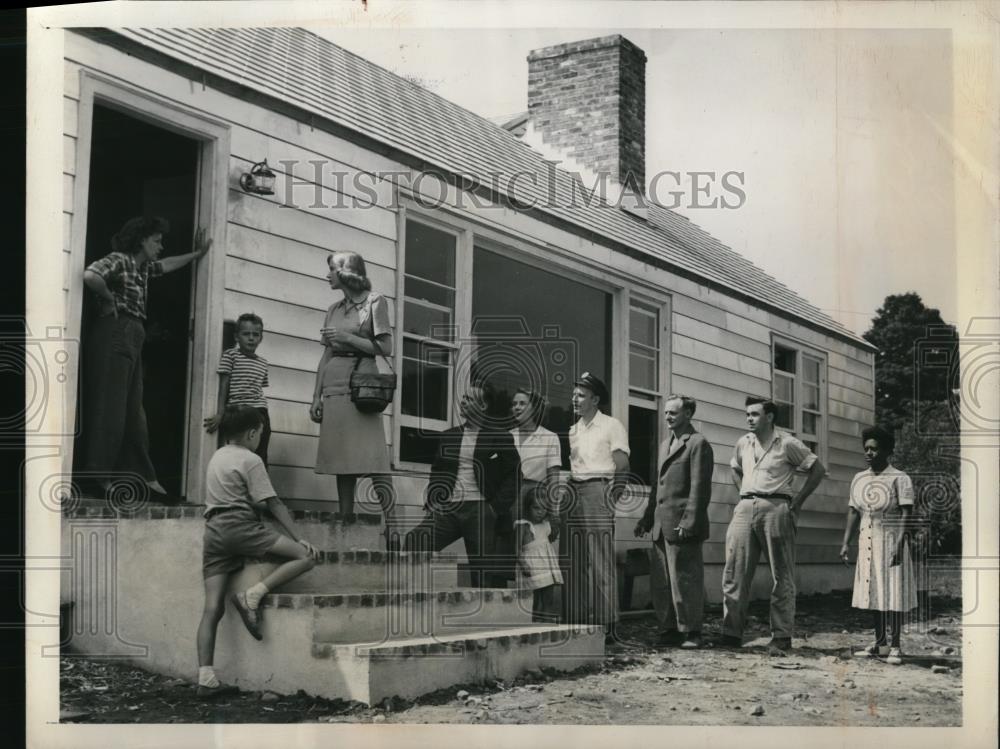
351	442
878	497
539	567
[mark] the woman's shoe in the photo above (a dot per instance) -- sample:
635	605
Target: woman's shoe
895	657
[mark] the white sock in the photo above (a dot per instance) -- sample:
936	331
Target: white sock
255	593
207	677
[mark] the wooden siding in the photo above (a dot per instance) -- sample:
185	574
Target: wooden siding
720	345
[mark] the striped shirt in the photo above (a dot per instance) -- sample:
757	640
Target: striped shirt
247	377
126	281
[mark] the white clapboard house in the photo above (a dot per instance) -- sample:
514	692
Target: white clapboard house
495	263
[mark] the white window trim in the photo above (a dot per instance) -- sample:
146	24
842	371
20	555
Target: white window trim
800	349
662	306
460	320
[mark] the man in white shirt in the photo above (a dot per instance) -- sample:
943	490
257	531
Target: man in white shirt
764	463
599	464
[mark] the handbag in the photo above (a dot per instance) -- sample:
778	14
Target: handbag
371	392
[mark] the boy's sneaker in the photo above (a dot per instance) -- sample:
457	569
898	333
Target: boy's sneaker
214	693
895	657
250	617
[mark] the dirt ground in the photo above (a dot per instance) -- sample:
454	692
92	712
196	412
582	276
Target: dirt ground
818	684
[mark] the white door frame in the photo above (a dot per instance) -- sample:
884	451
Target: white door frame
209	273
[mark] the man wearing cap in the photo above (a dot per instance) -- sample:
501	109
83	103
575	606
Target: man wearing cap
599	464
677	515
764	463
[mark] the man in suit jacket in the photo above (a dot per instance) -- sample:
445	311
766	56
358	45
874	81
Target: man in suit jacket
471	492
677	515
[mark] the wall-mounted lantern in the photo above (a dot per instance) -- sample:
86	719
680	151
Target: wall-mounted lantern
259	180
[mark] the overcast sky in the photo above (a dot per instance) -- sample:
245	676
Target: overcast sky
843	138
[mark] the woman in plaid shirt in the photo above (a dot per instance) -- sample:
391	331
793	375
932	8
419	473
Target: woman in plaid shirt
113	418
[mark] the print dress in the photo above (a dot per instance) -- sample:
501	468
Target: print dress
351	442
878	497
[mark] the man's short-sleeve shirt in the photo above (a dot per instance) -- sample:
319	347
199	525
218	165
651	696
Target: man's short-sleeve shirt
126	281
591	446
770	470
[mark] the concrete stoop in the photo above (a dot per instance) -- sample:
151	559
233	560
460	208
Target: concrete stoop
362	625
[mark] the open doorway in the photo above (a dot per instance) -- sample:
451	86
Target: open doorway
139	169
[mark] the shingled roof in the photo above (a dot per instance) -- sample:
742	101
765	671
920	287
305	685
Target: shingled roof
296	67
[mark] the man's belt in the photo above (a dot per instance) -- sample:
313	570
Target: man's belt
590	480
766	495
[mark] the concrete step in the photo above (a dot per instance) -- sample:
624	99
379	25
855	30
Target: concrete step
326	530
382	617
291	657
412	667
363	571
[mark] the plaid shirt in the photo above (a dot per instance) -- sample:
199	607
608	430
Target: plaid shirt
126	281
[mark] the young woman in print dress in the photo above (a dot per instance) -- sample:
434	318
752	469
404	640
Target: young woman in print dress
356	330
883	577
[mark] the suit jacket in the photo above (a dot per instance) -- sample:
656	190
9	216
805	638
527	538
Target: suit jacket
683	489
496	464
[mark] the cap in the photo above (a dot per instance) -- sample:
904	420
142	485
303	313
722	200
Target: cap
593	384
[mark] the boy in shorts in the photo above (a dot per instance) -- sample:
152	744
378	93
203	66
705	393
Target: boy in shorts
238	487
243	377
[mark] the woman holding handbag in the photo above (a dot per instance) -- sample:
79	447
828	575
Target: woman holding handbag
352	441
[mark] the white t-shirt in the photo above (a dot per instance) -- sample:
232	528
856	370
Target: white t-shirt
591	446
539	451
466	489
236	477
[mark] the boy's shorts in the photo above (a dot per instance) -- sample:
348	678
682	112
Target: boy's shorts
231	536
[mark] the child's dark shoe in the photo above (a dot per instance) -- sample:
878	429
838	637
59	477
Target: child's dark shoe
250	617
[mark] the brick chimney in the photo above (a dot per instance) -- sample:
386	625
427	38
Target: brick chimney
587	100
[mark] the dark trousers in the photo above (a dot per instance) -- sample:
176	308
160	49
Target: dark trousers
265	436
113	418
888	626
546	605
473	522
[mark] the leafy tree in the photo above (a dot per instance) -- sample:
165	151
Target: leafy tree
930	457
916	376
915	360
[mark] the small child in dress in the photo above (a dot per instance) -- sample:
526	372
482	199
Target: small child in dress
538	566
237	487
242	377
883	576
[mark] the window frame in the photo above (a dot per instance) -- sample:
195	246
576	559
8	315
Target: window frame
804	351
460	321
654	400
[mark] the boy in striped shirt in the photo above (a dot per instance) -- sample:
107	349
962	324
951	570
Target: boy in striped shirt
242	377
